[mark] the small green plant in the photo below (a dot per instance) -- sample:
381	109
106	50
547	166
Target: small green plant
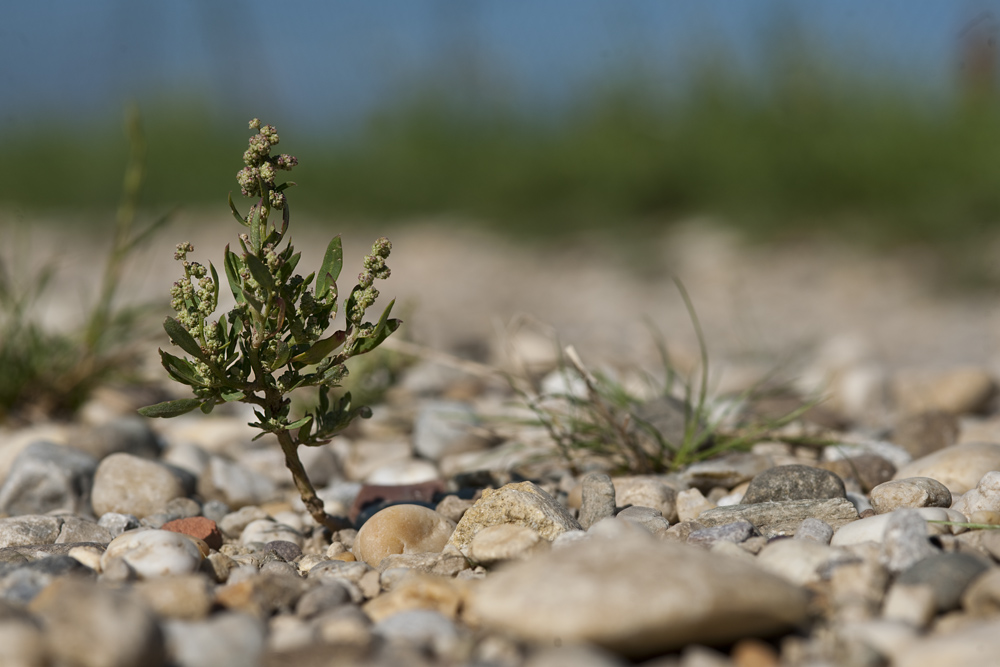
51	373
602	420
274	341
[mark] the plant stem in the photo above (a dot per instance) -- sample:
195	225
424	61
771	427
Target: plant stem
313	502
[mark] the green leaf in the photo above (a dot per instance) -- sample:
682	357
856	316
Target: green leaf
329	271
281	355
181	370
321	349
236	214
305	430
232	395
170	408
215	281
179	335
255	231
260	273
231	263
382	331
208	406
252	301
299	422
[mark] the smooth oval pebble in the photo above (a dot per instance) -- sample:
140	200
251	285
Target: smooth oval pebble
912	492
402	529
130	485
154	553
506	541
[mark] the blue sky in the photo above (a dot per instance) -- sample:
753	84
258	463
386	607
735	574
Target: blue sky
329	63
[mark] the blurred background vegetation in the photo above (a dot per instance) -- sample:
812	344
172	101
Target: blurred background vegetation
802	142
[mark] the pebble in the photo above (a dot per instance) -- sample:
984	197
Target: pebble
234	484
736	532
402	529
984	498
799	561
648	518
198	527
453	507
268	530
912	604
224	639
975	644
91	625
646	491
503	542
154	553
959	467
598	499
814	530
912	492
263	593
982	597
442	595
523	504
793	482
442	428
872	529
424	629
285	550
691	503
589	593
47	477
186	597
29	530
322	598
905	541
862	472
131	485
233	523
947	574
784	518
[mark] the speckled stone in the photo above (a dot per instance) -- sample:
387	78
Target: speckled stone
523	504
912	492
793	482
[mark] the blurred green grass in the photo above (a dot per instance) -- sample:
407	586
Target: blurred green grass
874	162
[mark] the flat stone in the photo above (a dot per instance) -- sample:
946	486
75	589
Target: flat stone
783	518
91	625
523	504
503	542
47	477
75	530
589	593
27	530
598	499
402	529
912	492
793	482
736	532
647	518
154	553
130	485
959	467
445	564
872	529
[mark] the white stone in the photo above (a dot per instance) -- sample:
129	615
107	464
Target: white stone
154	553
984	498
266	530
872	528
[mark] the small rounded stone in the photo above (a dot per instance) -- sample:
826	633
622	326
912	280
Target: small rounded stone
402	529
130	485
154	553
794	482
912	492
506	541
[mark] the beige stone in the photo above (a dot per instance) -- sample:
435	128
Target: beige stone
642	491
402	529
636	596
504	542
958	391
186	597
131	485
911	492
959	467
522	504
982	597
984	498
690	504
420	591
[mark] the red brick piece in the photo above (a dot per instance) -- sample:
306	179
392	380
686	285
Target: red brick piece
197	526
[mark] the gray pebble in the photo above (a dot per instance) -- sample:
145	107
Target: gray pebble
905	541
215	510
46	477
736	532
815	530
427	630
794	482
285	550
319	599
948	574
598	499
117	523
647	517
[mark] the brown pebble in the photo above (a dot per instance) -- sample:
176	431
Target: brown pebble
867	513
199	527
754	653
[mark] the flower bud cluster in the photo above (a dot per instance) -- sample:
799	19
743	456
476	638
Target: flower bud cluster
374	268
193	296
260	167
